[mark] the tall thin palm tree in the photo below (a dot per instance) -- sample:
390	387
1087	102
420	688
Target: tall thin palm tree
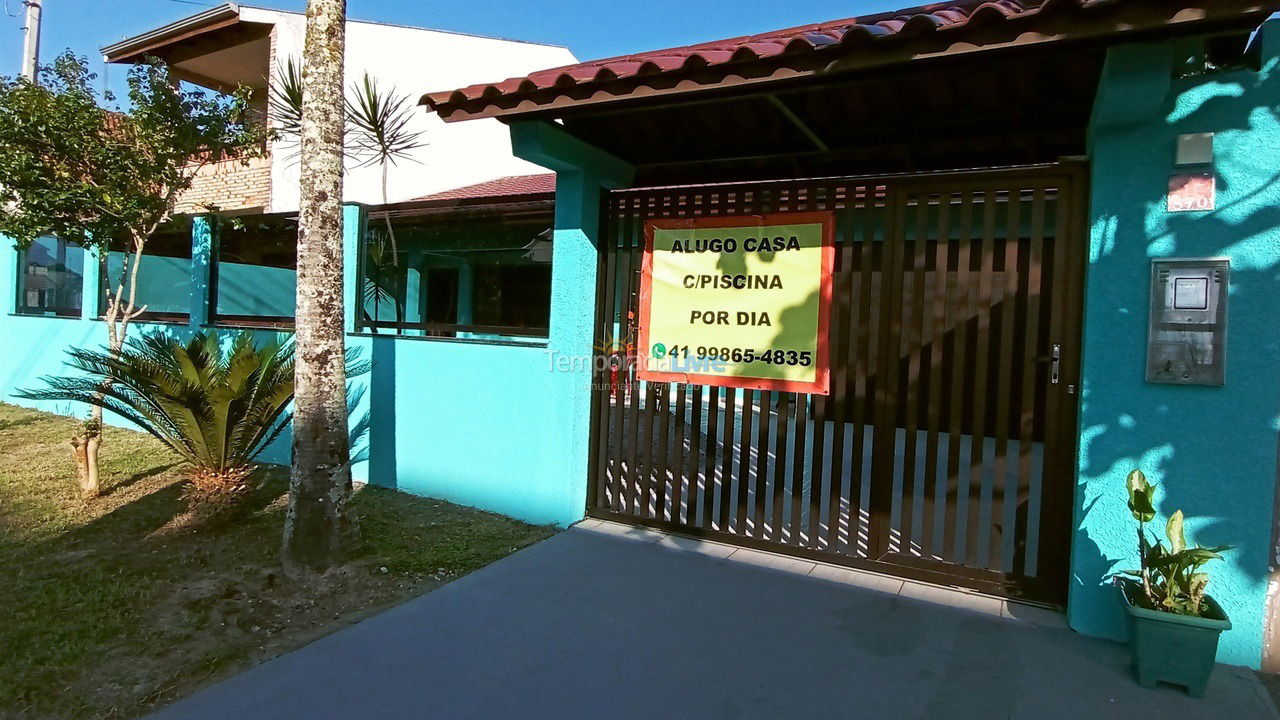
382	135
318	527
378	131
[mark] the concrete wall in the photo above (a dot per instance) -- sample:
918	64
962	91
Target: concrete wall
36	346
474	423
499	425
1211	449
413	61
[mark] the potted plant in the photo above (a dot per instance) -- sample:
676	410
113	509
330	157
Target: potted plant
1173	624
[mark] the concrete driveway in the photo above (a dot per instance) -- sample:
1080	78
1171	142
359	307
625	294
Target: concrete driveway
602	623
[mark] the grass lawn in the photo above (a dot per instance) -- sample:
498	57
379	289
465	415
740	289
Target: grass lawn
109	611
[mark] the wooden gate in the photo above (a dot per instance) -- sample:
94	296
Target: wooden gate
945	450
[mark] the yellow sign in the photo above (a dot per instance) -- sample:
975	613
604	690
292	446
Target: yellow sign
738	302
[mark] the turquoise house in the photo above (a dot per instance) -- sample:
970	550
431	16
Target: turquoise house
1055	257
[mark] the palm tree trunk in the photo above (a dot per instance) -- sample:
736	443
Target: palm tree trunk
317	525
400	298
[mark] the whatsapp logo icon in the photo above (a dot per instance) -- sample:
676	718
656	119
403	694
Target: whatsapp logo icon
659	350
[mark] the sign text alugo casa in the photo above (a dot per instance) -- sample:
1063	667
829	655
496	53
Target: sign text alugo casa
739	302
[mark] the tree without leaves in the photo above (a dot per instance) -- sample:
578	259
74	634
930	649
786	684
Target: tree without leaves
318	527
72	169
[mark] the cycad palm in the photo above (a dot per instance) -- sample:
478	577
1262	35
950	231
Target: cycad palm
216	406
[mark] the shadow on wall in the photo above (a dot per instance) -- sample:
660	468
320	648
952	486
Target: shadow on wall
379	446
1212	450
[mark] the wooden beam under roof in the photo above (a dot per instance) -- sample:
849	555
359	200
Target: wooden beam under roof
136	48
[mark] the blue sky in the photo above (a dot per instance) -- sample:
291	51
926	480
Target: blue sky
590	29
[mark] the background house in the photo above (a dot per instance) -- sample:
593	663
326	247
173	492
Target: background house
237	45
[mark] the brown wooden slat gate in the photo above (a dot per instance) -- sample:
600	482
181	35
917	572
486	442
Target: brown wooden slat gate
945	450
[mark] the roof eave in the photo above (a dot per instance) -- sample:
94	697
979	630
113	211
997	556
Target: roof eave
531	202
1053	21
129	49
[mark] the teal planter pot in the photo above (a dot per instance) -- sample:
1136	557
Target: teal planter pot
1177	649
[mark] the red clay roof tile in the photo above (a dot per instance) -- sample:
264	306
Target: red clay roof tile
673	68
805	38
514	185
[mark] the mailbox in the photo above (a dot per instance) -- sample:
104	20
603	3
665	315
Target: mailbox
1186	339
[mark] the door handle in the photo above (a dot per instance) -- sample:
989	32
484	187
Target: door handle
1055	363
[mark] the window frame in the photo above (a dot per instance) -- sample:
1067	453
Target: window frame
163	317
236	320
20	306
541	206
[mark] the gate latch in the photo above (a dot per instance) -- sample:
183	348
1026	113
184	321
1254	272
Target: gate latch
1055	370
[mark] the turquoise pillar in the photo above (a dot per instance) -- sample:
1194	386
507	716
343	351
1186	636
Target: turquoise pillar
8	275
204	253
1213	450
414	286
360	388
353	223
583	174
91	295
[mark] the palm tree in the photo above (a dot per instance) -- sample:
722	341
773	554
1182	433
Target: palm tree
383	282
216	408
377	127
284	100
318	527
382	136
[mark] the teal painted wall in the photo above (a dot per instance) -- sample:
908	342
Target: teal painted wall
36	346
1213	450
474	423
501	426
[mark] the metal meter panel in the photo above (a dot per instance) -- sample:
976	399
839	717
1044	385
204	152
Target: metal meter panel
1187	331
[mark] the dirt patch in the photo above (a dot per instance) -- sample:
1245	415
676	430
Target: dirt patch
228	622
116	606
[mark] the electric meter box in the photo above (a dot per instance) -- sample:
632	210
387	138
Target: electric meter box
1187	331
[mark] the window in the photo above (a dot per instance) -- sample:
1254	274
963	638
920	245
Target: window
51	278
483	275
256	274
164	273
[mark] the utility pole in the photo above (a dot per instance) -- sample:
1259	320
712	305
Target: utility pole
31	46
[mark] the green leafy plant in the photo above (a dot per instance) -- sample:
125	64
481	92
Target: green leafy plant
284	100
383	278
217	406
107	179
380	121
1170	577
379	127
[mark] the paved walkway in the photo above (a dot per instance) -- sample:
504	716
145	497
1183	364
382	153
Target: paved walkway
595	624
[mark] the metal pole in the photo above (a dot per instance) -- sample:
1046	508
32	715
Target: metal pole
31	46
